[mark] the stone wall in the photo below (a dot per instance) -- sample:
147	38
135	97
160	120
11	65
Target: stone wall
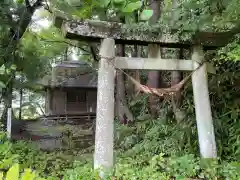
55	134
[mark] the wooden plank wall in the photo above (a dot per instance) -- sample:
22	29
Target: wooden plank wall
47	102
61	106
92	100
58	101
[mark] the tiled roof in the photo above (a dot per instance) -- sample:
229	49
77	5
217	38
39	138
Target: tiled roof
71	74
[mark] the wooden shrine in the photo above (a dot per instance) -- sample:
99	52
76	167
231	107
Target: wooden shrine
71	90
111	33
70	109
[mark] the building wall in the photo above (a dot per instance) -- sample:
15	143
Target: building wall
58	102
92	100
53	134
47	101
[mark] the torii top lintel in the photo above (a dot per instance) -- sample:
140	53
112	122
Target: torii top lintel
94	31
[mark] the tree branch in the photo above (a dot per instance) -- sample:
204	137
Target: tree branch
32	8
94	53
27	4
37	4
58	41
47	7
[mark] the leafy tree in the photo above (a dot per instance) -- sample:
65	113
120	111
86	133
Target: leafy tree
26	55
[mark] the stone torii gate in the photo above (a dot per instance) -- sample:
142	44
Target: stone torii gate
109	34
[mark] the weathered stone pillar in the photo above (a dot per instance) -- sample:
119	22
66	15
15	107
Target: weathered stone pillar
104	136
205	128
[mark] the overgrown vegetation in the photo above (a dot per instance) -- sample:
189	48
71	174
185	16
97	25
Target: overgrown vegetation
152	149
145	150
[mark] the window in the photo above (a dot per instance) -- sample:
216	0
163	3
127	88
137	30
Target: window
76	96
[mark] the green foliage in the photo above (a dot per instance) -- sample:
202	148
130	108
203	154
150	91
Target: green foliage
160	167
37	50
146	14
146	150
2	85
20	1
105	3
124	8
129	8
14	174
48	165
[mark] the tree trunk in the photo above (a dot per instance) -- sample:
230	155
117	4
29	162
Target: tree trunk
20	104
135	53
122	111
154	77
131	88
7	95
176	77
136	74
21	99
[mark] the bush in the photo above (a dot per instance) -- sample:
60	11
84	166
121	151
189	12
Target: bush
141	157
159	167
51	165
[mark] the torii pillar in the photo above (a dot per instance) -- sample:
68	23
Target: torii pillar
203	112
104	135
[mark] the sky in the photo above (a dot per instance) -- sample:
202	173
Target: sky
39	20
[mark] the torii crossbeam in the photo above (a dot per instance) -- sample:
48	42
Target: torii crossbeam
94	31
